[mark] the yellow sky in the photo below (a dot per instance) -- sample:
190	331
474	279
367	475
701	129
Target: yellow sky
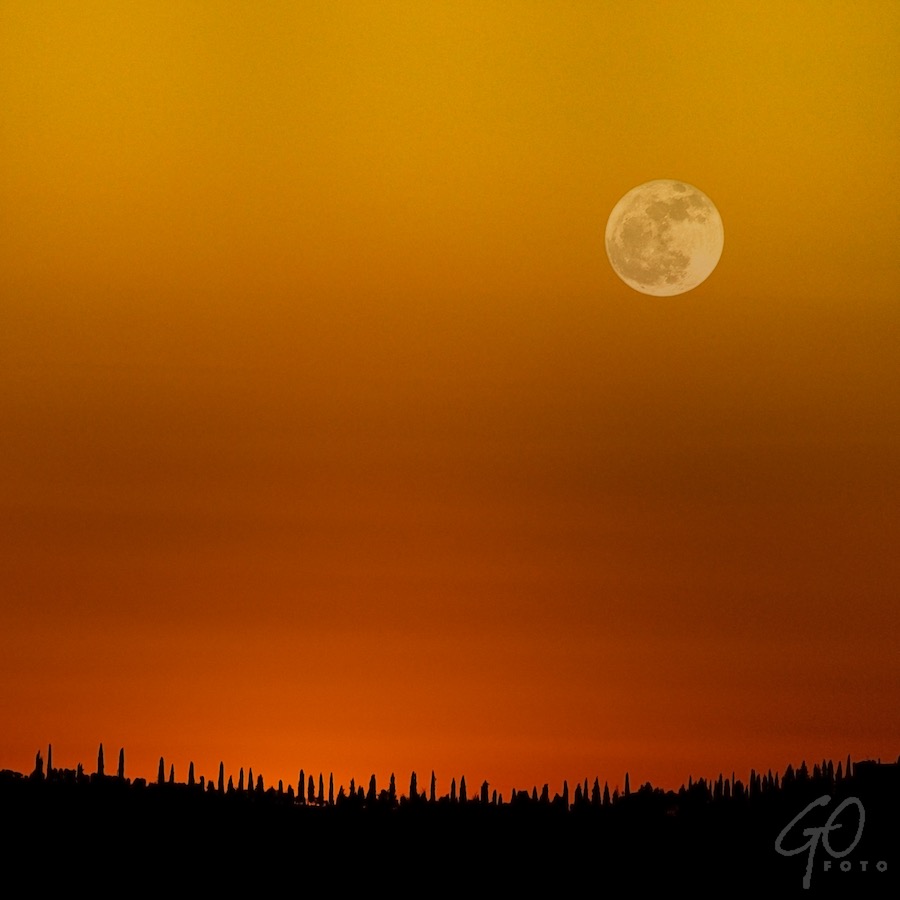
315	382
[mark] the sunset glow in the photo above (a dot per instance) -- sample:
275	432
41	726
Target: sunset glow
329	439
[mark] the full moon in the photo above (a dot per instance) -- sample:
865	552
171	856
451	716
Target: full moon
664	238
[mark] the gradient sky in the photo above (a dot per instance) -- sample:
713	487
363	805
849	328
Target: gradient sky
329	438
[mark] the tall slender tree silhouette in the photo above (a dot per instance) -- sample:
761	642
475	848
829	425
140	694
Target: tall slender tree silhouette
121	771
100	761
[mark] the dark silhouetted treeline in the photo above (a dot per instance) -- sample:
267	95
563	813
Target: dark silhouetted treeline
65	826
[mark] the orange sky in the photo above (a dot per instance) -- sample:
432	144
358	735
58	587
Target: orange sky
329	439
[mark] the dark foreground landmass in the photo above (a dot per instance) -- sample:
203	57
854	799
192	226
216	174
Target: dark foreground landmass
65	829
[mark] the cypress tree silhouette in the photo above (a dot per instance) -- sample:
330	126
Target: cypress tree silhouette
534	794
392	791
250	780
260	787
453	790
485	792
596	796
121	772
372	795
38	773
301	788
191	774
413	788
431	795
161	774
607	800
172	774
627	785
565	794
240	785
331	788
49	760
545	794
230	784
221	784
321	798
462	790
310	791
100	761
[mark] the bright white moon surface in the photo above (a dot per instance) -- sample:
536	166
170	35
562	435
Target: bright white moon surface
664	237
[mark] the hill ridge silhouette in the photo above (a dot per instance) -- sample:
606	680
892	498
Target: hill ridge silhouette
709	832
